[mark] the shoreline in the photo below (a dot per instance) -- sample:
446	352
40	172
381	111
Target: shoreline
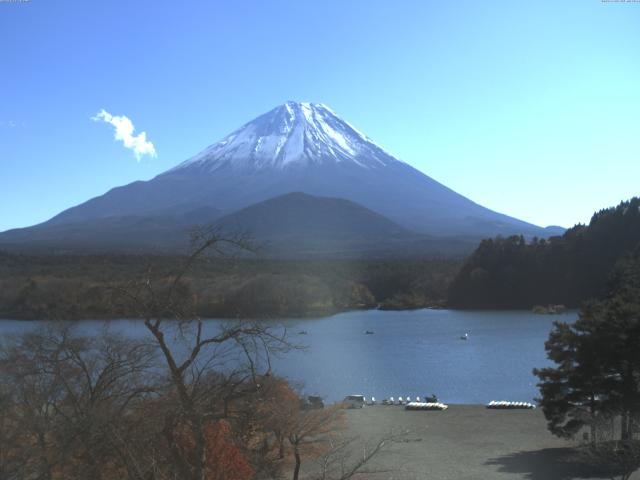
299	316
466	442
285	316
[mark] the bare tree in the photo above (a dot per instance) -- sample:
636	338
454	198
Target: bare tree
348	457
70	396
308	430
235	350
278	405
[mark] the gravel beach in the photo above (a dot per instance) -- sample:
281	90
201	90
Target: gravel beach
467	442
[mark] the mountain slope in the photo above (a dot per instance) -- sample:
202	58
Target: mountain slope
296	147
302	216
299	225
128	233
307	148
294	225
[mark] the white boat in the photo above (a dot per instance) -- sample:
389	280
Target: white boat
426	406
505	405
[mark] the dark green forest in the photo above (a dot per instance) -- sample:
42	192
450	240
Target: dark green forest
82	286
569	269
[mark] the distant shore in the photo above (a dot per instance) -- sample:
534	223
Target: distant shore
307	315
81	286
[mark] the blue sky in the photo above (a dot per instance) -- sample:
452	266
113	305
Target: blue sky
529	108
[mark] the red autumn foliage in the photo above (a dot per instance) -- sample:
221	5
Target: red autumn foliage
225	461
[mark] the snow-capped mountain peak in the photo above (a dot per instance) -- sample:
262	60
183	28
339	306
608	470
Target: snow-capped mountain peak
295	133
296	147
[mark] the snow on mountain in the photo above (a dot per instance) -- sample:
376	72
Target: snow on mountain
296	147
296	133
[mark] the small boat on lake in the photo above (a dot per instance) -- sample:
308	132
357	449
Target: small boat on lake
302	332
369	332
465	337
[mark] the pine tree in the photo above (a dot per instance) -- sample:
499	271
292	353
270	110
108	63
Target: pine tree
597	372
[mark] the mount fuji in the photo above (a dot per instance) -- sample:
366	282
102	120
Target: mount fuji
296	147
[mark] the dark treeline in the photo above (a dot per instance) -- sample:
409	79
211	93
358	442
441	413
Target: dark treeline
79	286
513	273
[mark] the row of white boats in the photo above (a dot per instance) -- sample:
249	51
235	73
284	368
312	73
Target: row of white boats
426	406
429	403
357	401
503	404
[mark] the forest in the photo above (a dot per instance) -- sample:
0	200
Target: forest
73	286
569	269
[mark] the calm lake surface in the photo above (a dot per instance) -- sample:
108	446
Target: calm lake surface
414	353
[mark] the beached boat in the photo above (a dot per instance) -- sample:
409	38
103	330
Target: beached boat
505	405
426	406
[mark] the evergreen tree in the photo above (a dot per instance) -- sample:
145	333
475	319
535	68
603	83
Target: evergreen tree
597	376
511	273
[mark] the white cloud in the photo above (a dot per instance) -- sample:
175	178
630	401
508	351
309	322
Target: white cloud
124	132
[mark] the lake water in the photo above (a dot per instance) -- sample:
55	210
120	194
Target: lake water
414	353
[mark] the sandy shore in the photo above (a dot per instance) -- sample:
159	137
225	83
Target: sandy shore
467	442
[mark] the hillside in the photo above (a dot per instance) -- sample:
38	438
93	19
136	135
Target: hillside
299	215
514	273
294	225
139	234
